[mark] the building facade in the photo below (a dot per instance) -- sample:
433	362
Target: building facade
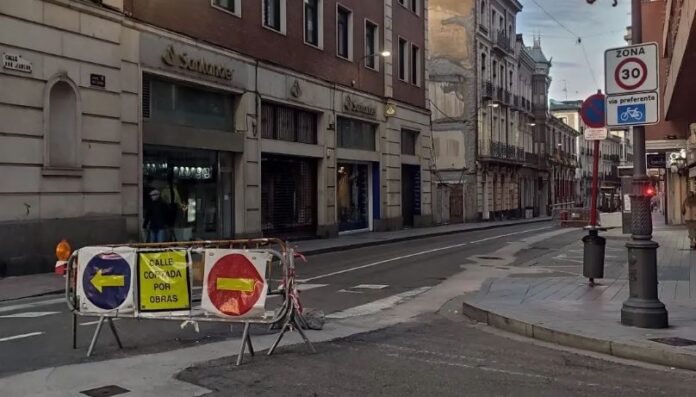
481	84
670	23
70	133
615	151
316	132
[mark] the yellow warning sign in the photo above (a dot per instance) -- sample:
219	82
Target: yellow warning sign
164	281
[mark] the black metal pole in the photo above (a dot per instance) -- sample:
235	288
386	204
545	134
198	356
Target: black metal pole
642	308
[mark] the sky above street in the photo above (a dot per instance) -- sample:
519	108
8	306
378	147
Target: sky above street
600	26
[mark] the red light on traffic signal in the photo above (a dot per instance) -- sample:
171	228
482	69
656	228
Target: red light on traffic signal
649	191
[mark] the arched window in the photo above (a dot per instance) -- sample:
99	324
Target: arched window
62	124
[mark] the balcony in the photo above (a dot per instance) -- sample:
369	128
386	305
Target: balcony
499	94
531	158
502	151
487	90
502	43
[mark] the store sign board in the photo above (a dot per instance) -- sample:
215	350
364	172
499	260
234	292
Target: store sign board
160	53
656	160
352	105
163	278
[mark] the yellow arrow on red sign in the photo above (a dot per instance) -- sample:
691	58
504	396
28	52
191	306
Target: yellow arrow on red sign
99	281
235	284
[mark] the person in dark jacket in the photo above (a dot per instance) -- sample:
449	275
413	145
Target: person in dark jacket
156	215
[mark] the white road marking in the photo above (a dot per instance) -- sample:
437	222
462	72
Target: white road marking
430	251
97	322
22	336
378	305
307	287
21	306
370	286
29	314
350	291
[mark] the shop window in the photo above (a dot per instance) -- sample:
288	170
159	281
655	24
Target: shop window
274	15
231	6
353	196
313	22
408	142
189	106
356	134
344	32
371	45
288	124
62	129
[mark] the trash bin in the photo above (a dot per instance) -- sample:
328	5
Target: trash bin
593	256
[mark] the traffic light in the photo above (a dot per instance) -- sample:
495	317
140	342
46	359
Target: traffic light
649	191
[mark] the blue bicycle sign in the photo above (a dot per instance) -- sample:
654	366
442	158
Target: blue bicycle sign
630	114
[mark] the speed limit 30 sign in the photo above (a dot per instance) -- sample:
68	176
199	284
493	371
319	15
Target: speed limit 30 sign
631	69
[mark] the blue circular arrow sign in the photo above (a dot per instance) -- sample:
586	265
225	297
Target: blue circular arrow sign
106	280
593	111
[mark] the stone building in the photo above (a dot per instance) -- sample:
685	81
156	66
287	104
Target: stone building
322	130
481	78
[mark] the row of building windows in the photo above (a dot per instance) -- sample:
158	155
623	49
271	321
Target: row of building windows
274	11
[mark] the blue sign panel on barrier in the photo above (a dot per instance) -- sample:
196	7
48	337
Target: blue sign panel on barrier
106	280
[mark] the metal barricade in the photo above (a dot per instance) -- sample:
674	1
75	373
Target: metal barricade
572	217
119	295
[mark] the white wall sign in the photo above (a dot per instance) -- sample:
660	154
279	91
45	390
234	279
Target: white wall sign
595	134
631	69
633	109
16	62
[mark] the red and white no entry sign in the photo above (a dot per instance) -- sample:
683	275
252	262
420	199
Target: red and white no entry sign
234	282
631	69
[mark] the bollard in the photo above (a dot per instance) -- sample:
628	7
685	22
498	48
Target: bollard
593	256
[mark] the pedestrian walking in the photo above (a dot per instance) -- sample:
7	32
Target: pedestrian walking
689	213
156	215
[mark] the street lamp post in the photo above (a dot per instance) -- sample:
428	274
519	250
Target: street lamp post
642	308
383	54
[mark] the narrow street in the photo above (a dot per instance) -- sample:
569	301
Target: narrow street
36	332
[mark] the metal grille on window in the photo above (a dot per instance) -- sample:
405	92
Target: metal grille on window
288	124
146	97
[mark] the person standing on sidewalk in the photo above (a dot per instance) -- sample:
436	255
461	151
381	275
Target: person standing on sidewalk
156	218
689	213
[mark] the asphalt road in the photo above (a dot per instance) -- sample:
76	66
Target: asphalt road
35	333
435	356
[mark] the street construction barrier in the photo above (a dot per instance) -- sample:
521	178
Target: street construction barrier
572	217
158	281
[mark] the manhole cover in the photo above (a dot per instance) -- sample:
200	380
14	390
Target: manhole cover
493	258
675	341
105	391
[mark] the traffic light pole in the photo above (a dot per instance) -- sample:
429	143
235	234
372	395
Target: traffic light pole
643	307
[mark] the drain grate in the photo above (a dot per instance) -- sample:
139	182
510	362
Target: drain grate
105	391
492	258
675	341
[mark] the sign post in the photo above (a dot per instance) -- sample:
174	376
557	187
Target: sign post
631	76
593	114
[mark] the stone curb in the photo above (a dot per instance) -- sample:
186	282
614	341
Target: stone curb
631	351
346	247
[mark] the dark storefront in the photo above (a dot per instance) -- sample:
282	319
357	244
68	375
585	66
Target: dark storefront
186	129
410	193
288	196
288	183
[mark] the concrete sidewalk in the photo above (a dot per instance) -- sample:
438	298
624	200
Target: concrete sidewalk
12	288
567	311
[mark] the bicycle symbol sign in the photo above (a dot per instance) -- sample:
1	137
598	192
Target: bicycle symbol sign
632	114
